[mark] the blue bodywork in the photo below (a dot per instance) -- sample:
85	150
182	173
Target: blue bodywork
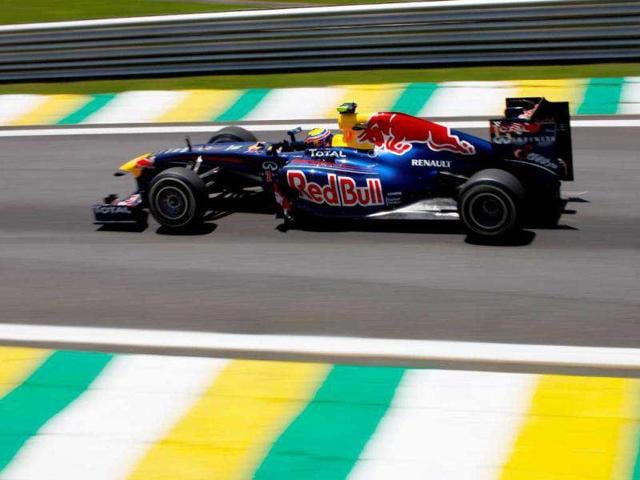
396	160
399	179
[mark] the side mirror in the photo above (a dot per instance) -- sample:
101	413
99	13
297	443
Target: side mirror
292	133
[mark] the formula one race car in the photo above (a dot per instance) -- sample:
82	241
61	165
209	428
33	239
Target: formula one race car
380	166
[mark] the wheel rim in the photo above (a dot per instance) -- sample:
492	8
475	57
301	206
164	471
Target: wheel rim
488	211
171	202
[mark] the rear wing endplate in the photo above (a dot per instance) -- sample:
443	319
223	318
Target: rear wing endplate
537	132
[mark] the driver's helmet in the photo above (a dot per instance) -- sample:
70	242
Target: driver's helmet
319	137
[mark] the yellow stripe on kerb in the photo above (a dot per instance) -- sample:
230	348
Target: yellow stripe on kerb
370	98
574	430
571	90
16	364
230	428
200	106
53	109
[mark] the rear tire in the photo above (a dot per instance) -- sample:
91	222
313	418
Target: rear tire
490	203
233	134
178	198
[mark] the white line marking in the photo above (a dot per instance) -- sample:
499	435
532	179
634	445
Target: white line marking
347	348
254	14
102	130
131	130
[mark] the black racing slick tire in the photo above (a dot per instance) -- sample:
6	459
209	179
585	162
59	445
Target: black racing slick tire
233	134
490	203
178	198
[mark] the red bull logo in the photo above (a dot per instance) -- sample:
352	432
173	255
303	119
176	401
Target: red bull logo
396	132
504	127
338	192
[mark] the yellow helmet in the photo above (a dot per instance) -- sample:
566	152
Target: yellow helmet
319	137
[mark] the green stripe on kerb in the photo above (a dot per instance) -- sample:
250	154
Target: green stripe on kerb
325	440
601	97
636	464
62	378
414	98
243	105
96	103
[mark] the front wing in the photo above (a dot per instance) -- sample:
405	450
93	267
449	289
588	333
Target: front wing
124	212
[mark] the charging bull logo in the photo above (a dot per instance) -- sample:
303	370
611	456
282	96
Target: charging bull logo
395	133
338	192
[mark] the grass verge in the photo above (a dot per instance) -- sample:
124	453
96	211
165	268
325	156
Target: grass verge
318	79
31	11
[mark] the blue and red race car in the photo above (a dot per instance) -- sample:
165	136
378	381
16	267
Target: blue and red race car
381	166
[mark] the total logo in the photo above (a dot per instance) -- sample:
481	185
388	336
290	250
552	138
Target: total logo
338	192
315	153
110	209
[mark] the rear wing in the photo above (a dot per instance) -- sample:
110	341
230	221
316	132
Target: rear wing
535	131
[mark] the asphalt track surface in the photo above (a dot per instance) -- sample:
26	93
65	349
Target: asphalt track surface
575	285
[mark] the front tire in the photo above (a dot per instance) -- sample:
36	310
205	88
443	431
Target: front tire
490	203
178	198
233	134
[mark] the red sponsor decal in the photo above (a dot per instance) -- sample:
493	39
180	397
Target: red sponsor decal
338	192
395	133
501	127
281	199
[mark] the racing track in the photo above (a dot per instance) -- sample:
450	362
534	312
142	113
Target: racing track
577	284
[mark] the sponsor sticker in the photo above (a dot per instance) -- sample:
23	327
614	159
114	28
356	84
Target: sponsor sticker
111	209
339	191
271	165
419	162
517	128
520	133
541	160
316	153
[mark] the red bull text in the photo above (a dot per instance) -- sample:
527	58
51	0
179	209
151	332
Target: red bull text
338	192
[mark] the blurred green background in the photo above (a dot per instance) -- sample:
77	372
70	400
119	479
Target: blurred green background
27	11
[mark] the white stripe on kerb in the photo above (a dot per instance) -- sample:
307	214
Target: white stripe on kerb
13	107
630	97
103	434
136	107
296	103
447	424
460	99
